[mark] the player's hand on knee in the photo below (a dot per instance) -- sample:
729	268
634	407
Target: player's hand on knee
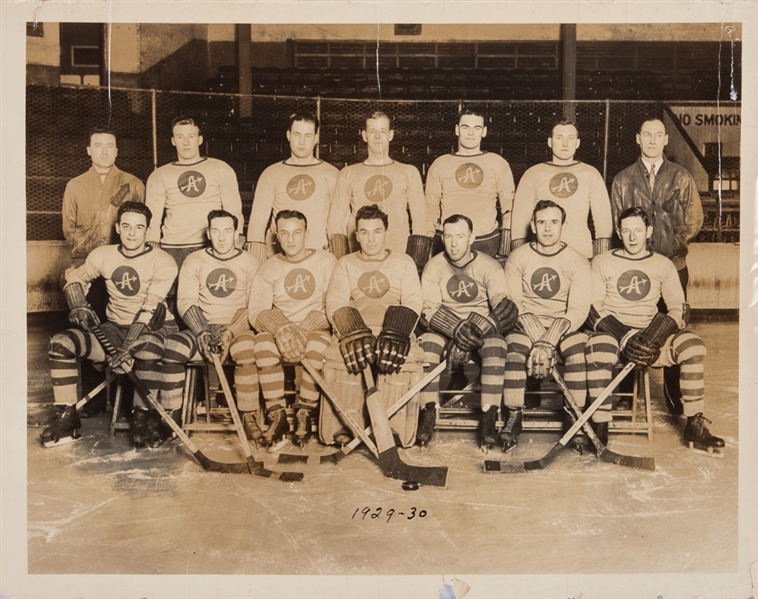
220	343
291	341
358	351
467	336
121	362
641	351
204	342
455	356
391	352
84	318
541	360
506	315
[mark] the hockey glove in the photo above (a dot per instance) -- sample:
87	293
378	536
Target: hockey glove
467	336
290	338
394	342
339	246
81	315
541	359
600	245
147	319
357	342
195	320
419	247
455	356
641	351
220	343
257	250
506	316
505	242
517	243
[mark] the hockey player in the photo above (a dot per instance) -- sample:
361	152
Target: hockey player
137	277
373	302
182	193
212	297
548	281
668	194
287	309
467	311
473	183
394	187
302	182
627	285
573	185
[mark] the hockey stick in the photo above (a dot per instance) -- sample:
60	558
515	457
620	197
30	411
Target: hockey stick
389	460
510	467
348	419
256	468
205	462
337	456
87	398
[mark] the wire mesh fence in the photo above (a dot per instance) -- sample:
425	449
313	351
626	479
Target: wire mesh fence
249	133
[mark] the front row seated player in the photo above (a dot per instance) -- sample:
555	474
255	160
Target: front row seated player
286	309
373	302
548	281
627	285
137	277
212	296
467	312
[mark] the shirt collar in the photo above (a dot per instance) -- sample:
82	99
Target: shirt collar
657	164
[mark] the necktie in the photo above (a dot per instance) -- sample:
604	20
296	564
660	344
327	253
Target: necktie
651	177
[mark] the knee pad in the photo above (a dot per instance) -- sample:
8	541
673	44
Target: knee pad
150	346
69	345
687	346
571	347
601	350
179	347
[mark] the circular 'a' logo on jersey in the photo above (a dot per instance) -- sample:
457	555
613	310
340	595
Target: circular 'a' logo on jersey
633	285
462	288
374	284
300	187
563	185
126	280
469	175
545	282
377	189
299	284
191	184
221	282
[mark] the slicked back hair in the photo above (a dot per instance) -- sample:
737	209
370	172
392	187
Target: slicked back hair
304	117
286	214
137	207
544	205
222	214
184	120
456	218
371	212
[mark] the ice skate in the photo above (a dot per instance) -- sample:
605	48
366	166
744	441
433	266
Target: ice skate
601	430
426	420
63	429
487	431
251	428
512	429
303	426
139	429
278	427
700	440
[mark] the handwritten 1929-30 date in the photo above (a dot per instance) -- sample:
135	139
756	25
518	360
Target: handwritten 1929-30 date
375	514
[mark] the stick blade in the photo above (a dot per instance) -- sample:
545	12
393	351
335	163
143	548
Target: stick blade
494	466
393	467
630	461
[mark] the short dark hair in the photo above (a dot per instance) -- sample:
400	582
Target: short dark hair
184	120
371	212
378	114
650	119
565	122
137	207
305	117
634	211
222	214
544	205
285	214
100	130
473	110
456	218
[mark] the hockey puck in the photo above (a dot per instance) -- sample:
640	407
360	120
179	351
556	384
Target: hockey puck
410	485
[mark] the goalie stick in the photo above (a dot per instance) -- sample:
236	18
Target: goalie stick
256	468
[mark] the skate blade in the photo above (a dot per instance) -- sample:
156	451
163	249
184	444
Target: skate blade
61	441
274	447
711	452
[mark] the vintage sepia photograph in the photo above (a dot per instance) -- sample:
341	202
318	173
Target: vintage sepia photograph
415	304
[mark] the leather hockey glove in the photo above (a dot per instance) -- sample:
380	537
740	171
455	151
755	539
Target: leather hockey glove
542	357
195	320
455	356
419	247
505	243
357	342
467	335
394	342
600	245
81	315
506	316
339	245
644	347
289	337
257	250
611	325
145	320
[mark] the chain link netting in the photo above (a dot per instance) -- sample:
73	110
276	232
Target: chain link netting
249	133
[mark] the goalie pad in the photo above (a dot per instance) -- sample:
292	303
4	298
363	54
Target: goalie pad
339	246
660	328
419	247
195	320
357	342
505	242
558	329
394	342
315	321
600	245
258	250
506	315
531	325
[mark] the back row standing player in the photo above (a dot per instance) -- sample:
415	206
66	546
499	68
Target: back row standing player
394	187
302	182
575	186
473	183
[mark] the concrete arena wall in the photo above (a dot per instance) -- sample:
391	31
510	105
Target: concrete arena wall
714	276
